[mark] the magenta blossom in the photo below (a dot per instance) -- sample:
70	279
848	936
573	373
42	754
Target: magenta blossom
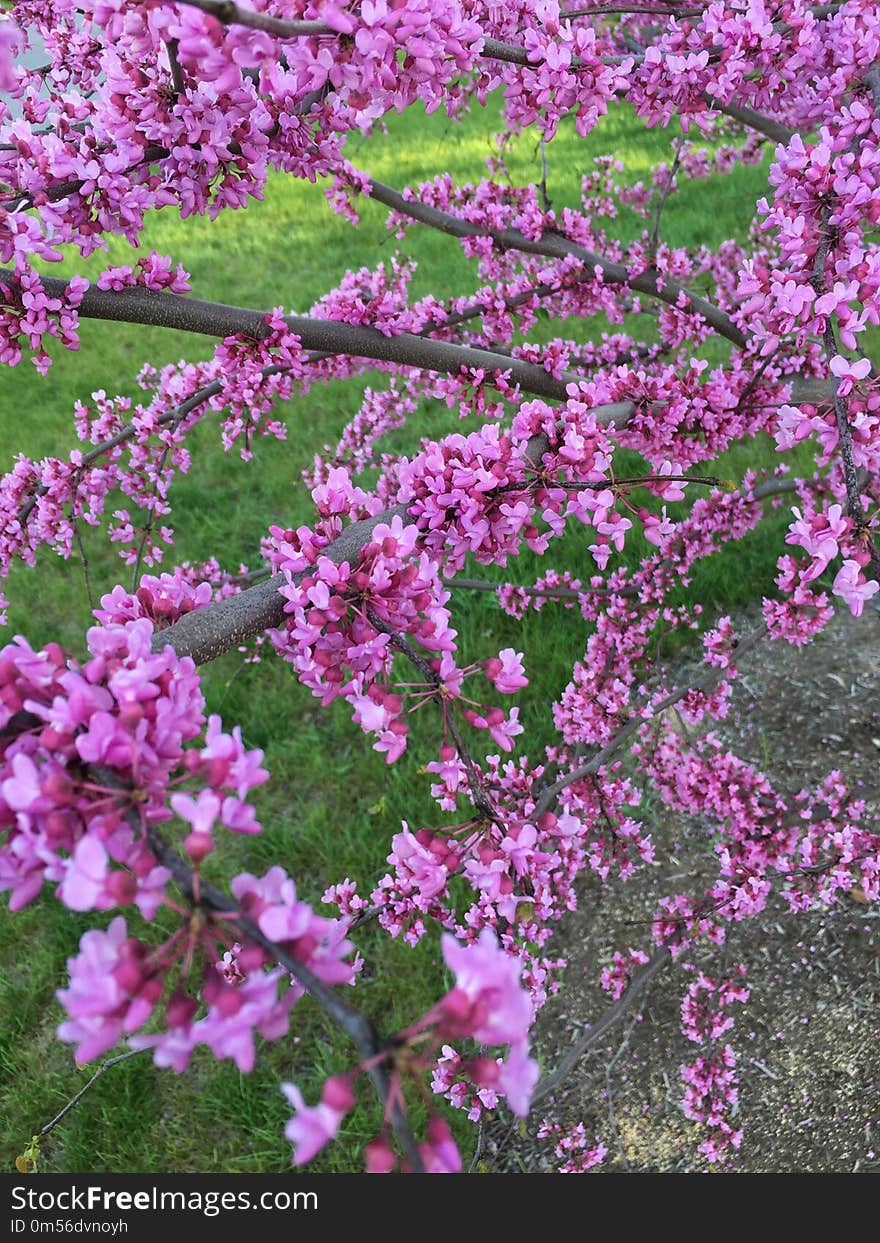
852	586
849	373
313	1126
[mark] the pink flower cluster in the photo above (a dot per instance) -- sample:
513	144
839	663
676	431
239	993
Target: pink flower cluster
486	1005
118	982
28	314
89	752
347	621
152	272
711	1095
573	1147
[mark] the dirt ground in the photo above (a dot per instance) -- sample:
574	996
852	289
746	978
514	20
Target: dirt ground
807	1040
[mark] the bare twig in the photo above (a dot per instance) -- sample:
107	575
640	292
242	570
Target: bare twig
550	593
609	1089
284	28
549	1084
542	184
84	561
654	239
102	1070
478	1150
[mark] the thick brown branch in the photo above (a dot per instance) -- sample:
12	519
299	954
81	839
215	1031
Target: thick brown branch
216	319
205	634
768	126
283	28
453	320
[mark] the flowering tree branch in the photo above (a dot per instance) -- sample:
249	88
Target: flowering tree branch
703	685
205	634
214	319
192	107
355	1025
557	247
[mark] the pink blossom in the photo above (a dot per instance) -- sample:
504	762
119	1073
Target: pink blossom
84	887
506	672
487	997
852	586
313	1126
849	373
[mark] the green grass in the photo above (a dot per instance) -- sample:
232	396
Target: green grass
332	803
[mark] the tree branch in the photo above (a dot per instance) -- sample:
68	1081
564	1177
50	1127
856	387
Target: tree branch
354	1024
205	634
654	240
102	1070
556	247
402	645
231	14
176	71
772	128
216	319
643	976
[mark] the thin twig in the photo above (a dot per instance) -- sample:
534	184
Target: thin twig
640	978
609	1067
85	562
102	1069
151	510
654	239
542	184
478	1150
555	246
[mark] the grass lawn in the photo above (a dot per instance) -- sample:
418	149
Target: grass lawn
332	803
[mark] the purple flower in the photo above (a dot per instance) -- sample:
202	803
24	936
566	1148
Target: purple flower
849	373
85	878
852	586
498	1010
313	1126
